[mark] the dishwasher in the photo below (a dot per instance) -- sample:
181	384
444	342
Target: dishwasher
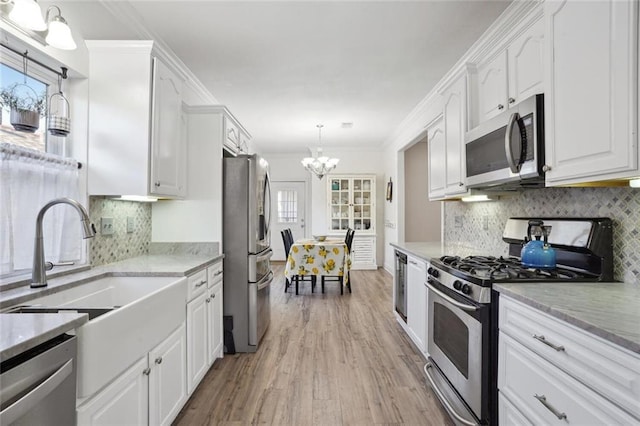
38	387
401	284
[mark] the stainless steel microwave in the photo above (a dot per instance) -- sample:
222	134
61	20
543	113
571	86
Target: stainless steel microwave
507	151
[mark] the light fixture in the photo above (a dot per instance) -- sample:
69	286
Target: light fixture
320	165
136	198
476	198
59	34
27	14
634	183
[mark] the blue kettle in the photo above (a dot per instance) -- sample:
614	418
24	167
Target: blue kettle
535	253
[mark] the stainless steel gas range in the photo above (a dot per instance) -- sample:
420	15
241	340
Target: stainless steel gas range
463	309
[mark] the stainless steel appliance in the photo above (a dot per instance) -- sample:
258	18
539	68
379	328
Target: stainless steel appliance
39	385
401	284
247	249
508	151
463	309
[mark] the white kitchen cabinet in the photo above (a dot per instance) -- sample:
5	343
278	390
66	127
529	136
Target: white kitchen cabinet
417	301
591	98
363	252
136	140
204	323
542	355
197	357
168	378
352	203
223	127
511	75
151	391
215	341
437	151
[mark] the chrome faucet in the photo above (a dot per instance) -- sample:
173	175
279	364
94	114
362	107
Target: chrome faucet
39	277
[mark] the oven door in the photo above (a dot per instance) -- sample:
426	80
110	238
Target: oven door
457	328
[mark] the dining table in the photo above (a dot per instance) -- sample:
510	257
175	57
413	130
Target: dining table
310	256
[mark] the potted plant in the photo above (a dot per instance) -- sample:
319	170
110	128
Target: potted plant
26	106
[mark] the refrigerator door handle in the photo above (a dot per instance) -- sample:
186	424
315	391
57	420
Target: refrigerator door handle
255	260
265	281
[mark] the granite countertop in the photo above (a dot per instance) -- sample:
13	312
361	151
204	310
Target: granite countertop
21	332
610	310
423	250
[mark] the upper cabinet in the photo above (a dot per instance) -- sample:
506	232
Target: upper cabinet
352	203
137	142
235	138
437	151
591	99
511	75
455	126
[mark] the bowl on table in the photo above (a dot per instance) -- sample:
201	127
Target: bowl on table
320	237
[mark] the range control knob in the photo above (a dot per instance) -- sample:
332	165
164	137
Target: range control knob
466	289
434	272
457	284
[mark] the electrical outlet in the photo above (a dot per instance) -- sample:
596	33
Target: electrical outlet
131	224
106	226
485	222
457	221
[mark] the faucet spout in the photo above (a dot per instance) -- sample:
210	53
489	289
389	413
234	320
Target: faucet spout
39	278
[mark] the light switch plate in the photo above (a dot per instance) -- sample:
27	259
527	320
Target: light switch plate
106	226
131	224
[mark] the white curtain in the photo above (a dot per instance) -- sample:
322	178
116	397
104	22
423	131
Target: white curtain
28	180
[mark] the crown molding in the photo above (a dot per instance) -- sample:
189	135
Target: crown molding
129	16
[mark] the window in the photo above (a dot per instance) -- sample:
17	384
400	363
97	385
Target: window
287	206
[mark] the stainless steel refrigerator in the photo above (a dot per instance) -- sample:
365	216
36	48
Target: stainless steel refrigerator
247	250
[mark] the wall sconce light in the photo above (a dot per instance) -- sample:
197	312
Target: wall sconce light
27	15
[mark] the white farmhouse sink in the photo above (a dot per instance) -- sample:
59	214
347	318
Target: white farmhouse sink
148	309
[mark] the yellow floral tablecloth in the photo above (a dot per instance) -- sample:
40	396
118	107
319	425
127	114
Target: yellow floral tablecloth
311	257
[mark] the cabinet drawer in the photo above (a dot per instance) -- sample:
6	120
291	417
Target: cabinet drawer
214	273
508	414
196	284
546	395
608	369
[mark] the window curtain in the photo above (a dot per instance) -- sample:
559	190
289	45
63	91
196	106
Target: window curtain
28	180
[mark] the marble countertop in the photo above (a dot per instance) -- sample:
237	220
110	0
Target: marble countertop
610	310
21	332
423	250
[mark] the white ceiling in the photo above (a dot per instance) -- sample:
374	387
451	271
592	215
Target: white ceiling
282	67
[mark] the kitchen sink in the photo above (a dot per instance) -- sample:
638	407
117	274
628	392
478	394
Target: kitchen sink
128	316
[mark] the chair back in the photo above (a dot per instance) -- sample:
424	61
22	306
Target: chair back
349	238
289	236
287	244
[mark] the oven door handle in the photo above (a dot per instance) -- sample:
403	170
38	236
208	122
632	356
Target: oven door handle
451	300
442	398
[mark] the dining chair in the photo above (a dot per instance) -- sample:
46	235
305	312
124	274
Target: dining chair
287	239
348	239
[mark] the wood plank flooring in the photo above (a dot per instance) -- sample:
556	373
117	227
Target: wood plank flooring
326	359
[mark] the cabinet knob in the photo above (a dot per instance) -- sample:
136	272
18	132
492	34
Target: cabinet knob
159	360
511	100
156	184
546	168
146	371
208	300
500	106
213	296
461	184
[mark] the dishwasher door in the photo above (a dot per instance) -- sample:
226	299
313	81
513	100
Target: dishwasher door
38	387
401	284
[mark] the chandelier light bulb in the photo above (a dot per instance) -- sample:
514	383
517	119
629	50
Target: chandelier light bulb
319	165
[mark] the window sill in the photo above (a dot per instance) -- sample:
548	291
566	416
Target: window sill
19	280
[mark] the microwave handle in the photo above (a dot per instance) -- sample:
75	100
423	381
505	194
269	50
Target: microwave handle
513	165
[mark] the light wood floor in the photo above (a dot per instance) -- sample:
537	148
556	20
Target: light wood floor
325	359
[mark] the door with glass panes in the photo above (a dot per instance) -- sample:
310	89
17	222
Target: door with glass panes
352	203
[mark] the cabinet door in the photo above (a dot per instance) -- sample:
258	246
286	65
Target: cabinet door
123	402
526	59
214	322
168	149
363	194
168	378
197	358
363	252
454	128
492	87
591	81
340	200
437	150
417	301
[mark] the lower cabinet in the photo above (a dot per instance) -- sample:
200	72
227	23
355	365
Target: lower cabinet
151	391
214	321
417	302
550	371
363	252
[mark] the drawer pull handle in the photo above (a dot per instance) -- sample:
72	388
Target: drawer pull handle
217	273
201	283
159	360
548	343
543	401
146	371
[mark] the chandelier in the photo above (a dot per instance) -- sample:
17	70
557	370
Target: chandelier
320	165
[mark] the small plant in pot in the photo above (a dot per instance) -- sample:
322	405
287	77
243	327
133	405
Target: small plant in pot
26	106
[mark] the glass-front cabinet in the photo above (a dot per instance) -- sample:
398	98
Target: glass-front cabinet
352	203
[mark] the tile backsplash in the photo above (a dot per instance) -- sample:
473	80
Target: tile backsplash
479	226
121	244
